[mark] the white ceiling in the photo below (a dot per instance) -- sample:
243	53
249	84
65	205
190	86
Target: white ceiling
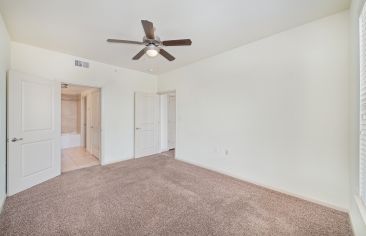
80	27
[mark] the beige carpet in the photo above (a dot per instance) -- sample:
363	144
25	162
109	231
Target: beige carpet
162	196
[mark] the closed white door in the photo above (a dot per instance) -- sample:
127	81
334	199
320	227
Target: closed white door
34	131
146	124
171	121
95	121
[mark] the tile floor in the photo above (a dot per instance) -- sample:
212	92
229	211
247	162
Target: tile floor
76	158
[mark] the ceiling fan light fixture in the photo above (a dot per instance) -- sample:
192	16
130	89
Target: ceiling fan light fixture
152	51
153	43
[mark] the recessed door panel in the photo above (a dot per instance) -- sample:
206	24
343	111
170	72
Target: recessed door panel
37	112
36	157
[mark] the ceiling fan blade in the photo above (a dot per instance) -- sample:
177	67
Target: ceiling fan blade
139	55
124	41
148	28
177	42
167	55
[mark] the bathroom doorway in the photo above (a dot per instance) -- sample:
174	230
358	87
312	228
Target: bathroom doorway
80	127
168	123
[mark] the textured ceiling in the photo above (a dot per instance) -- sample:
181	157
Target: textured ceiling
81	27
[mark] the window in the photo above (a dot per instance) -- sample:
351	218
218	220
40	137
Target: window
362	32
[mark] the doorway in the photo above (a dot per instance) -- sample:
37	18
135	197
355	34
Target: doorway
168	123
80	127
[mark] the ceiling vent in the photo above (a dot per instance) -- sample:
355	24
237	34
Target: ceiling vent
83	64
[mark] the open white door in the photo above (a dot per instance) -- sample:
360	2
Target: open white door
95	120
146	124
34	106
171	121
93	124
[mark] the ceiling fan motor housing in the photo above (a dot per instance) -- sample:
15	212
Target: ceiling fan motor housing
155	41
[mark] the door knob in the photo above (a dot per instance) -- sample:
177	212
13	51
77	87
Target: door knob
16	139
138	128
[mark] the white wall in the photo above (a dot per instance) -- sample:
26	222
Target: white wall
274	112
4	66
359	225
117	87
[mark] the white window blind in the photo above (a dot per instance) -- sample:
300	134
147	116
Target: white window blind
362	32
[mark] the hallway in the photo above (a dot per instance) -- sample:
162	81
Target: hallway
76	158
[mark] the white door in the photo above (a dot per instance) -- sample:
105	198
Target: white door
146	124
89	124
83	120
171	121
95	121
34	131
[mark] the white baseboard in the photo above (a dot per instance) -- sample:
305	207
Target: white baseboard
104	163
266	186
2	202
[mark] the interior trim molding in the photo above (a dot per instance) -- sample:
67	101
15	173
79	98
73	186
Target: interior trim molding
361	208
2	202
329	205
105	163
166	92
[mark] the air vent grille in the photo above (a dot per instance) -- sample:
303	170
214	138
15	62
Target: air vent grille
83	64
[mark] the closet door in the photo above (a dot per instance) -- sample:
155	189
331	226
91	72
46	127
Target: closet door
89	124
95	120
146	124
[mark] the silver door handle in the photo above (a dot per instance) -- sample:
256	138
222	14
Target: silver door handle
16	139
138	128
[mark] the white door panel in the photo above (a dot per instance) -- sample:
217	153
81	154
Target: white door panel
33	131
36	112
146	124
93	122
171	121
36	157
89	130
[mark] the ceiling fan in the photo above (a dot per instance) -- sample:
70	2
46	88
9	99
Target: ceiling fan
153	43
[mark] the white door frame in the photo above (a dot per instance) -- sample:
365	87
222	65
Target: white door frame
101	157
83	127
167	92
169	112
